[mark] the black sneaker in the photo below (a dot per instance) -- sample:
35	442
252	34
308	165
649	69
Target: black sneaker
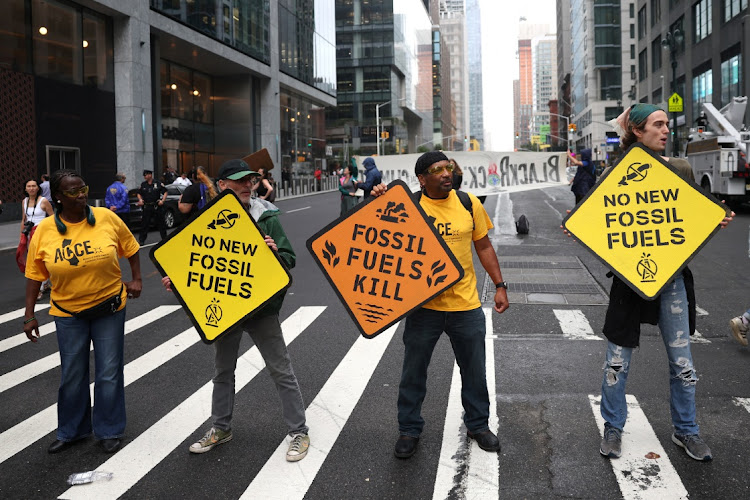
406	446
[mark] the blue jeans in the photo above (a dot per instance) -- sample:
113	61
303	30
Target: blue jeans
675	332
74	415
466	330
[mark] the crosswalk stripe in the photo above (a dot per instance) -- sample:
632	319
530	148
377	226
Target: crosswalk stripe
146	451
31	370
21	338
743	402
18	313
326	417
36	427
574	324
640	477
464	469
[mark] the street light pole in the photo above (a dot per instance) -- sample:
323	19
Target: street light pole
377	121
671	42
295	120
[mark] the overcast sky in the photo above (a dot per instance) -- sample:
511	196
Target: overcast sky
500	66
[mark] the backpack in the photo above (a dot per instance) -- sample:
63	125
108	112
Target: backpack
522	225
463	196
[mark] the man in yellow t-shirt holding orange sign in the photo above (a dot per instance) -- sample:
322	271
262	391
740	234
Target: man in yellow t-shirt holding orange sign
457	311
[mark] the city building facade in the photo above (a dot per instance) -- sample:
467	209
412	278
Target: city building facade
106	86
544	76
476	96
383	53
453	30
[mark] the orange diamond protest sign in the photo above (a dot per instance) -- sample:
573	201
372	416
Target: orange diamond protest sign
644	221
384	259
221	268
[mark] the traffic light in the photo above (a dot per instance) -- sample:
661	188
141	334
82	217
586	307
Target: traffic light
385	134
309	143
517	135
572	127
466	139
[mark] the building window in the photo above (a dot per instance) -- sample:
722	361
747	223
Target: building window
13	42
632	10
632	31
731	78
632	51
702	18
656	96
58	43
655	11
702	90
643	65
733	7
679	25
642	22
656	55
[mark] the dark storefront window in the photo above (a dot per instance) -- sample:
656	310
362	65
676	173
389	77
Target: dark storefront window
64	42
14	52
242	24
187	118
58	44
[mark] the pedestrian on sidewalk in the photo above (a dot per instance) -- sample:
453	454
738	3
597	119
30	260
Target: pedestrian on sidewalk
264	328
79	249
348	190
457	311
44	186
373	177
116	198
151	197
35	209
585	177
673	310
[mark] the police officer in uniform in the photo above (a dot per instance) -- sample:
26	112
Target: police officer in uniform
151	197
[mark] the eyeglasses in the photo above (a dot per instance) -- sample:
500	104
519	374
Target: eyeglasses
73	193
438	169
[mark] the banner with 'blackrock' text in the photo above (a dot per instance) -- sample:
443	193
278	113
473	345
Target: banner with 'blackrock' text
484	172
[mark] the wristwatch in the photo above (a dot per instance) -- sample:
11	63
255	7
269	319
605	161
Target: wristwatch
502	284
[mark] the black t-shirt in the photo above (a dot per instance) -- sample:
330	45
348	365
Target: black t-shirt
192	195
152	192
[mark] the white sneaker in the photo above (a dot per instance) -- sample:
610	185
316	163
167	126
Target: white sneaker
739	330
298	447
212	438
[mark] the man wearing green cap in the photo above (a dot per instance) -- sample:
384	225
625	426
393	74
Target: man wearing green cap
264	328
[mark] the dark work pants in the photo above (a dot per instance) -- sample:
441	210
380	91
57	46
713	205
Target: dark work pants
149	212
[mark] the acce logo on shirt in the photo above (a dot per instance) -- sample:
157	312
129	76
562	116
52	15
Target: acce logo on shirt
72	251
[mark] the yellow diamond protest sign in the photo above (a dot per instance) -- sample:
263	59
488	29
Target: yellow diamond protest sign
644	221
222	270
384	259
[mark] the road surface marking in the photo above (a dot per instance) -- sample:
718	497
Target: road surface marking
146	451
326	416
464	469
18	313
641	478
21	338
31	370
574	325
743	402
36	427
295	210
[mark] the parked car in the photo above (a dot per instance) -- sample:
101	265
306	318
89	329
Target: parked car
172	215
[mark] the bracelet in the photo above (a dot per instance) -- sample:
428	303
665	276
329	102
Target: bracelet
26	322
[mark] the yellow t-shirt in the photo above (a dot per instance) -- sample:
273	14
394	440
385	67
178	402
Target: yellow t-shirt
82	264
454	224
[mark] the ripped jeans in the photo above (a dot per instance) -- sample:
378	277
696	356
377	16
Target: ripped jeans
675	331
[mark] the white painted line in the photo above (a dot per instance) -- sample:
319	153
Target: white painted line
454	448
464	469
18	313
699	311
641	478
326	417
697	338
36	427
743	402
147	450
31	370
574	325
21	338
484	467
296	210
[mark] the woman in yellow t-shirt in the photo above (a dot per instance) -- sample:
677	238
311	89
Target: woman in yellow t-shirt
78	250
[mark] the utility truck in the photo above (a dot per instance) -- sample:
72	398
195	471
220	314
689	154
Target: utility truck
717	151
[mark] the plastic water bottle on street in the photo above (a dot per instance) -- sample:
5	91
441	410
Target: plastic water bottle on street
89	477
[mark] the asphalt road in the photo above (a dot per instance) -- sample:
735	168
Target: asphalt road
547	373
